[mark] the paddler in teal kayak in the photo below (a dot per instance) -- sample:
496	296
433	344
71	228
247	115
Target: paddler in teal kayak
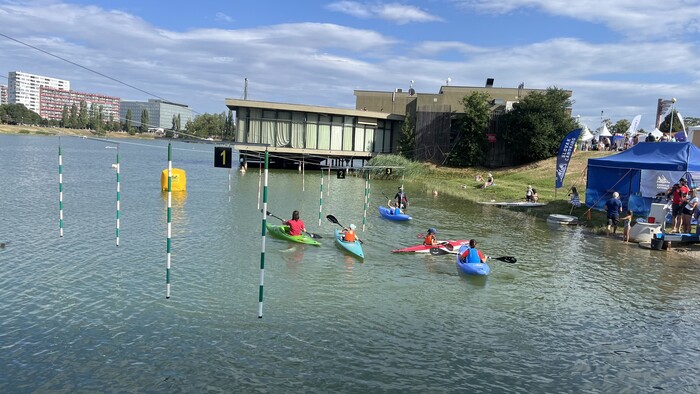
296	225
349	233
472	254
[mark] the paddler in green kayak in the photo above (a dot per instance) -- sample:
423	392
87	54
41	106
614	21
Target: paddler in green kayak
296	225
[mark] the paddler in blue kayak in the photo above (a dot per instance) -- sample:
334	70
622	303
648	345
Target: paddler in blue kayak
472	254
296	225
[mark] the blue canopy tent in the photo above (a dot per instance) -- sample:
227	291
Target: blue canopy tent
640	173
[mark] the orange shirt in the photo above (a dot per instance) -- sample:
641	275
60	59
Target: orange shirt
430	240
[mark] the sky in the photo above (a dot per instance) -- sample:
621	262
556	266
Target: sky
617	56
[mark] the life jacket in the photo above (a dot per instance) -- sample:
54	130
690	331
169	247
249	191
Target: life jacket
349	236
430	240
473	256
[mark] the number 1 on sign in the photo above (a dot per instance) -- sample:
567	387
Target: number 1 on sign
223	157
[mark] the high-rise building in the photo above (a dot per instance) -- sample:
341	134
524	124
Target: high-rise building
52	102
160	113
25	88
3	94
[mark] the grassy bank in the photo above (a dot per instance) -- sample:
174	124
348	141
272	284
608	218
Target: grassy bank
510	184
39	130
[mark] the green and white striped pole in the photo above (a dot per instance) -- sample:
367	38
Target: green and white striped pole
118	196
170	184
328	192
60	189
320	201
259	179
303	170
367	186
262	250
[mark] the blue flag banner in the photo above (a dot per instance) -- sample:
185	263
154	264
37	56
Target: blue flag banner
566	149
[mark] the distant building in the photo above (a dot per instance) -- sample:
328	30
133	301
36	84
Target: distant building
3	94
25	88
160	113
52	101
436	117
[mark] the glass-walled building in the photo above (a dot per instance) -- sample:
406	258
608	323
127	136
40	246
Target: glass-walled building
160	113
306	129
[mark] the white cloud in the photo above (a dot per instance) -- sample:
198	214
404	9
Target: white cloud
393	12
220	16
637	19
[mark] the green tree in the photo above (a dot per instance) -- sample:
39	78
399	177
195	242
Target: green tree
179	122
174	125
207	125
407	140
534	128
470	144
82	115
73	118
64	116
144	121
666	125
230	127
127	121
621	126
18	114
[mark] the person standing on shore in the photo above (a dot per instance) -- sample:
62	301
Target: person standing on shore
614	207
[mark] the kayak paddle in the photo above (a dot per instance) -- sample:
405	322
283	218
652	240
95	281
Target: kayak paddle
332	219
312	235
506	259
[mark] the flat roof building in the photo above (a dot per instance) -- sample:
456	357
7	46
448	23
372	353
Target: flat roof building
52	101
3	94
160	113
25	88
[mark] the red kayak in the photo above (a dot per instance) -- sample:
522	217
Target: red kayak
441	248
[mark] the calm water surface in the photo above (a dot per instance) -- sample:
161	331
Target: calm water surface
577	313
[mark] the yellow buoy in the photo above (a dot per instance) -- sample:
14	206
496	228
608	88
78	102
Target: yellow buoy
179	182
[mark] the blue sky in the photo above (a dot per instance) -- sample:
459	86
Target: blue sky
617	56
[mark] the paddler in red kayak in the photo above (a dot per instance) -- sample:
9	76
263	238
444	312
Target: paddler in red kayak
431	239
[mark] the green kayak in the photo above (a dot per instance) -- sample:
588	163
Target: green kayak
282	232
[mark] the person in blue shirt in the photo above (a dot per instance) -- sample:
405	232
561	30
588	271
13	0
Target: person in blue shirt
614	207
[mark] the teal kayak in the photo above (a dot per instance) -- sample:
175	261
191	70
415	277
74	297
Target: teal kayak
354	248
282	232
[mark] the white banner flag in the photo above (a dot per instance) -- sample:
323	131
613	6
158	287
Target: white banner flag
634	125
681	119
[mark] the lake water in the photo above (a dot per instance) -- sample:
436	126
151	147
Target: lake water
577	313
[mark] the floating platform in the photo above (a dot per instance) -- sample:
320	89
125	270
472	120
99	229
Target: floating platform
514	204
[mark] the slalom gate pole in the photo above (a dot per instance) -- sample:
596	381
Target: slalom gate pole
118	195
60	189
320	201
262	249
168	244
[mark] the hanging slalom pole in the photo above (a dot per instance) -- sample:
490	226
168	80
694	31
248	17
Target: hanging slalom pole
320	201
302	174
364	214
60	189
118	195
328	192
170	184
259	180
262	250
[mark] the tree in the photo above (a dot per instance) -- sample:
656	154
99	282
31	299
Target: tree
82	115
533	130
144	121
18	114
407	140
127	121
230	128
620	127
665	126
73	118
174	125
471	145
207	125
64	116
179	124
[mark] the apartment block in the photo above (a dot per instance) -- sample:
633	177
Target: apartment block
25	88
52	101
3	94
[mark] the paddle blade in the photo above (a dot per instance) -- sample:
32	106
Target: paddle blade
506	259
447	246
313	235
332	219
437	251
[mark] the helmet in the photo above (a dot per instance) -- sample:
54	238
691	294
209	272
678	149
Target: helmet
432	230
352	227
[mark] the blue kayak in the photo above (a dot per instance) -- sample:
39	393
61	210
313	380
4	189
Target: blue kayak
354	248
471	268
388	213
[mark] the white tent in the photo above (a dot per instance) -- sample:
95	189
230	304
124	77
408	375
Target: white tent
604	132
657	133
586	135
